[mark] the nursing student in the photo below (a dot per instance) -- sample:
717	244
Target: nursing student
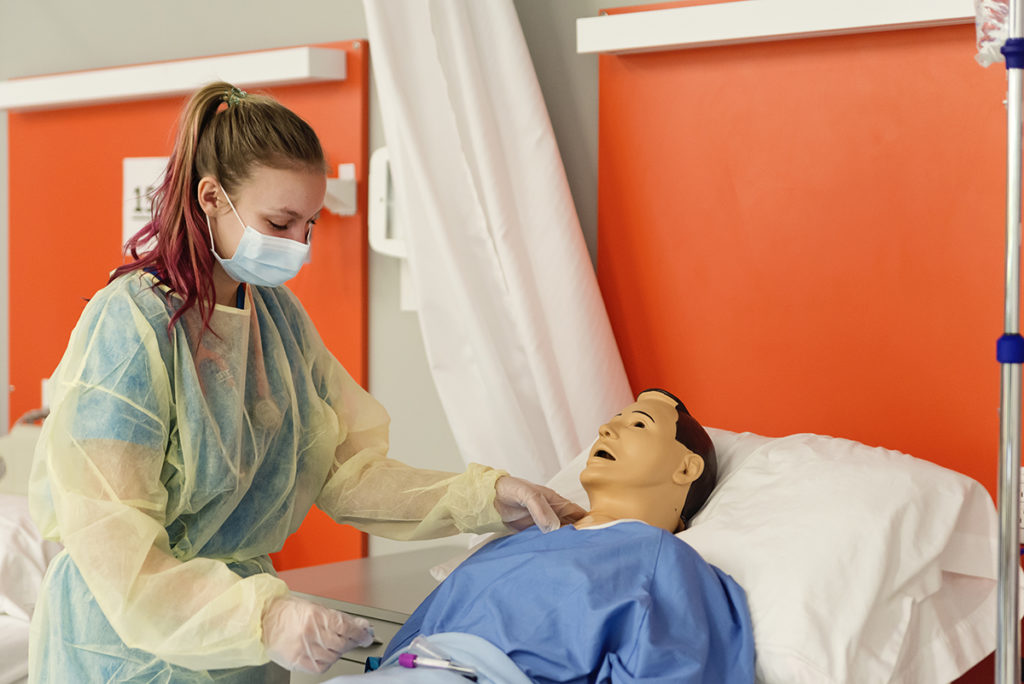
197	416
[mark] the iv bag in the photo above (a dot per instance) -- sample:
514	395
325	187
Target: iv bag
990	20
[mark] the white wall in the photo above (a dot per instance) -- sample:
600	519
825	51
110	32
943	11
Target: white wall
49	36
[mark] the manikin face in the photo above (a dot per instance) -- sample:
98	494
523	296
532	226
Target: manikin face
638	447
277	202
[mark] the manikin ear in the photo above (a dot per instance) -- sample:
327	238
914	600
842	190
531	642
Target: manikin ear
210	196
689	470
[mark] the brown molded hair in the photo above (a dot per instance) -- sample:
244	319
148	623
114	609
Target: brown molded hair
692	435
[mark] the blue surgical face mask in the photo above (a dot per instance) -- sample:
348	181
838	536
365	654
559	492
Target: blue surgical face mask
262	259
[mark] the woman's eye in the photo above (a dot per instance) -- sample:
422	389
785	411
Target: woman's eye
277	227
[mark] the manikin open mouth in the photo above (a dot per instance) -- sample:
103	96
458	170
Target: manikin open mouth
601	453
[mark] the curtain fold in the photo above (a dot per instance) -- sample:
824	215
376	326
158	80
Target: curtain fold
516	334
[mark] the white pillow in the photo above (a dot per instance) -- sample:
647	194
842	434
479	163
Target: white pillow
860	564
24	555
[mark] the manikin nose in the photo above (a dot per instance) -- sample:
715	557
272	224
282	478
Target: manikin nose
607	431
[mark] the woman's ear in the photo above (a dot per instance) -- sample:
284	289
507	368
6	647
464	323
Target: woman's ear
208	193
690	468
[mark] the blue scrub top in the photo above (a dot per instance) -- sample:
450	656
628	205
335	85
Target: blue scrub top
625	603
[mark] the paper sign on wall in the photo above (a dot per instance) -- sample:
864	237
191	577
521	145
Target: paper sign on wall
141	176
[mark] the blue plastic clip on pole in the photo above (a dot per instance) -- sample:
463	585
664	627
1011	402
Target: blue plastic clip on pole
1013	51
1010	348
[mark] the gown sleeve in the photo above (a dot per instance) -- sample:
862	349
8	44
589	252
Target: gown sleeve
96	486
380	495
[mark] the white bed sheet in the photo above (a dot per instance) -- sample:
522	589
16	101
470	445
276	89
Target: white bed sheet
13	650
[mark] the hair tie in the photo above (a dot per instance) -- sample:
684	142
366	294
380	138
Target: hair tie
235	96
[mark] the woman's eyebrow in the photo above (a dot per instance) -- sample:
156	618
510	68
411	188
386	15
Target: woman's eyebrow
294	214
289	212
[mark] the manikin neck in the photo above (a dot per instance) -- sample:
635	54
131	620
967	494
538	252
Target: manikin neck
657	506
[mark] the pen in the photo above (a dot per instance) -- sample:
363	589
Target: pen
411	660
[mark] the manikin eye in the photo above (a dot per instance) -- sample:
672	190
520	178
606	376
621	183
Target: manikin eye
639	424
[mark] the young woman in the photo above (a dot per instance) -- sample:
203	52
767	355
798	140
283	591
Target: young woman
197	416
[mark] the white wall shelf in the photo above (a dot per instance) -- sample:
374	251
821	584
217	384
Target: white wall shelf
751	21
167	79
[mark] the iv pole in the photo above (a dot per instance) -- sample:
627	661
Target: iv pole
1010	354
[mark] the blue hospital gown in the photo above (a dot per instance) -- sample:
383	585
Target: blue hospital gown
625	603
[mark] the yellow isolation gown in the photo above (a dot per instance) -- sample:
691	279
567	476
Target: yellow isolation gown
171	465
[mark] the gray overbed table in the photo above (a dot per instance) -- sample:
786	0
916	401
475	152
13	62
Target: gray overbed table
383	589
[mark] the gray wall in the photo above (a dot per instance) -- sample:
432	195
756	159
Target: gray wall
48	36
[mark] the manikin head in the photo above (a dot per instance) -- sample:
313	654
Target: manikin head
651	462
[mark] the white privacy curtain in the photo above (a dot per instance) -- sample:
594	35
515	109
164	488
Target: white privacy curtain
515	330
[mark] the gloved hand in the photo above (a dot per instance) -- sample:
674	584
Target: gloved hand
302	635
522	503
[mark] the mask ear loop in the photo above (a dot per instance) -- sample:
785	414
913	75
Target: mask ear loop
232	205
209	226
242	287
213	245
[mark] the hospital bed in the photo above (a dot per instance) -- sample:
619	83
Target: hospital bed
860	564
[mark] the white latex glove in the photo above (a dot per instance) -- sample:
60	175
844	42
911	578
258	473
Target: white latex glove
522	503
302	635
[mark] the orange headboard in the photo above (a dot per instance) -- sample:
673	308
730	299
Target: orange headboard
65	236
807	236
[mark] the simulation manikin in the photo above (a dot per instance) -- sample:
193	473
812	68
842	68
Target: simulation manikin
614	597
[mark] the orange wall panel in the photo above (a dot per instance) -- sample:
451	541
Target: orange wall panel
808	236
65	235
